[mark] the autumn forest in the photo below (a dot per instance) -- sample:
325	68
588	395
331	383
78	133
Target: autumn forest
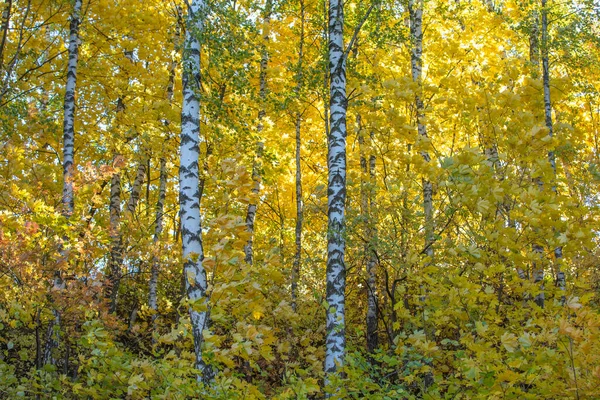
300	199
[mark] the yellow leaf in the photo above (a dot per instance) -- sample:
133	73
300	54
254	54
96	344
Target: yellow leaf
573	302
257	314
509	341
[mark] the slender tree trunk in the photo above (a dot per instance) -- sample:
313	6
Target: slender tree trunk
136	189
152	296
416	33
116	246
299	206
558	254
366	204
534	57
69	112
53	336
326	66
336	198
5	23
256	165
189	196
162	192
415	8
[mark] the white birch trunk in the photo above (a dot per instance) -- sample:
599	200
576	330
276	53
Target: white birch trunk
256	165
189	184
137	187
162	192
53	337
416	60
415	8
69	112
116	251
336	196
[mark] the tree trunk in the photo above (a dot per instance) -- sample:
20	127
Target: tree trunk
152	296
5	23
53	336
560	275
299	206
366	205
136	189
416	33
69	112
336	196
256	165
415	8
116	246
160	203
189	196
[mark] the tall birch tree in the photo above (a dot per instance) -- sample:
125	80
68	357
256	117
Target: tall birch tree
68	199
415	8
189	185
336	195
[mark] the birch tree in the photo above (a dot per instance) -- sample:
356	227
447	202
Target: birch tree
68	199
189	184
256	165
162	190
336	195
415	8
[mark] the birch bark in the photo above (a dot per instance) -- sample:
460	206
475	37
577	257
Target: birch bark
336	196
162	191
415	8
256	165
189	185
53	336
116	247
